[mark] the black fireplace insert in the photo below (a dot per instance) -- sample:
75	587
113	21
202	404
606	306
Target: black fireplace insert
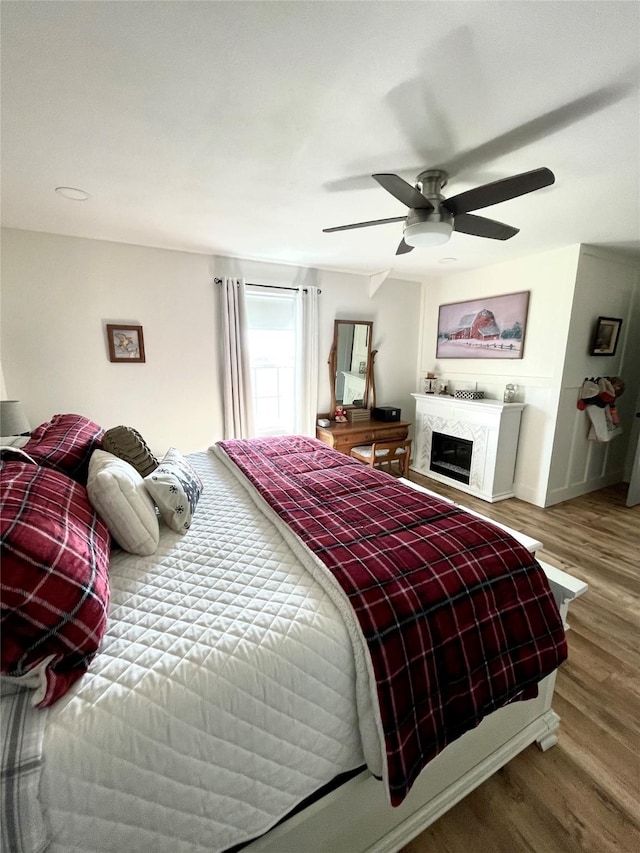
451	456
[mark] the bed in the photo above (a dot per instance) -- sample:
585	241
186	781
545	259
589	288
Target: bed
232	700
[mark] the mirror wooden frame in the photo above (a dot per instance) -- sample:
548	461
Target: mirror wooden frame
370	383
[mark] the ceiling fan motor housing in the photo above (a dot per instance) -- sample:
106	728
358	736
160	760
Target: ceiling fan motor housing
431	181
429	227
430	184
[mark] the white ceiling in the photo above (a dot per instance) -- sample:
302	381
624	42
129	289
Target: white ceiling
244	128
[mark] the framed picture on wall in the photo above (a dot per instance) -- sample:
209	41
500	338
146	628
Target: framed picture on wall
605	336
492	327
126	343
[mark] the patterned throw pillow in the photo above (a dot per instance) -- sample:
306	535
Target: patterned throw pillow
55	579
65	443
127	443
176	489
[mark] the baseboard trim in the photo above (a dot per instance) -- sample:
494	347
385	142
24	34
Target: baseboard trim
556	496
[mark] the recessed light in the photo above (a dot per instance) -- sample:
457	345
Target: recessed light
447	260
72	193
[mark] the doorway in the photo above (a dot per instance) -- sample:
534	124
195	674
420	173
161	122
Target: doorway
633	495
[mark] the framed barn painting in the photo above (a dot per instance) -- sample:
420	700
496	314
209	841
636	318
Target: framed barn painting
492	327
125	343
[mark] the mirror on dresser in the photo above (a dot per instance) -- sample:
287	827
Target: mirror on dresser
351	365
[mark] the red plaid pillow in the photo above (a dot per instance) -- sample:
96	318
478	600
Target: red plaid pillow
65	443
54	586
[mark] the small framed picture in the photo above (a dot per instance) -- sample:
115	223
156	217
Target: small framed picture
605	336
126	343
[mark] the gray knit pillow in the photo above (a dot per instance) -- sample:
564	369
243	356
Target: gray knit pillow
127	443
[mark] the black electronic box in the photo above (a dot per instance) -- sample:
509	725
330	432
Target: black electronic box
386	413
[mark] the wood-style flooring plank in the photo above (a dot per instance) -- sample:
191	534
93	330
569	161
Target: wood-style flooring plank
583	795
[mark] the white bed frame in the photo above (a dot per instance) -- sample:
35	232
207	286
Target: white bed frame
357	818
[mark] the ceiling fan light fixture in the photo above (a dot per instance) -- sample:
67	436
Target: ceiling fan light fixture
424	235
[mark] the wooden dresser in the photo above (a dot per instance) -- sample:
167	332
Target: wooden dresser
343	437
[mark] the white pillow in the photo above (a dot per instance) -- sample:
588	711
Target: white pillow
117	493
176	489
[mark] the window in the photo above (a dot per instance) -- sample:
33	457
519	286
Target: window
272	346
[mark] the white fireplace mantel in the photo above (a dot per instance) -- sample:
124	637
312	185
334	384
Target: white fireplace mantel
493	428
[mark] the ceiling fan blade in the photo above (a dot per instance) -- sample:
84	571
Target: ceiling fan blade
403	191
543	126
364	224
479	226
403	248
498	191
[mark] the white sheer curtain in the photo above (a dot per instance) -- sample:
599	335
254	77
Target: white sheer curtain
236	374
306	410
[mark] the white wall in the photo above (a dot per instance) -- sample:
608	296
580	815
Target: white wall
59	292
57	295
607	285
550	278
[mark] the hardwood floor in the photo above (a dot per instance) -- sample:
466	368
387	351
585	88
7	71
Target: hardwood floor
584	793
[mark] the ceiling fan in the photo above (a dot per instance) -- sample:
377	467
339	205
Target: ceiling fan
432	218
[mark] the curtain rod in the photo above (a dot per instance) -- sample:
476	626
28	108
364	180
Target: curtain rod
271	286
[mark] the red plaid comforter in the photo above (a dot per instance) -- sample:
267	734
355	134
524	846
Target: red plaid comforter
458	617
54	586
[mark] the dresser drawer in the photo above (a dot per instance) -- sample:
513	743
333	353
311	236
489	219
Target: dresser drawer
390	433
344	445
361	437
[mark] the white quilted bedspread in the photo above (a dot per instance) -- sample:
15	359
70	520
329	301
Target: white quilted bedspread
224	692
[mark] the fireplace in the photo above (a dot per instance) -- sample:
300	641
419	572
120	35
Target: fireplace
468	444
451	456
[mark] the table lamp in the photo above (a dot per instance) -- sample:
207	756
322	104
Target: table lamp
13	420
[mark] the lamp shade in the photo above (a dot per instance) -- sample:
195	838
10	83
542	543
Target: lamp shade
13	420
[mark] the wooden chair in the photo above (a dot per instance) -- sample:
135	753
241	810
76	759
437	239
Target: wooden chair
382	454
